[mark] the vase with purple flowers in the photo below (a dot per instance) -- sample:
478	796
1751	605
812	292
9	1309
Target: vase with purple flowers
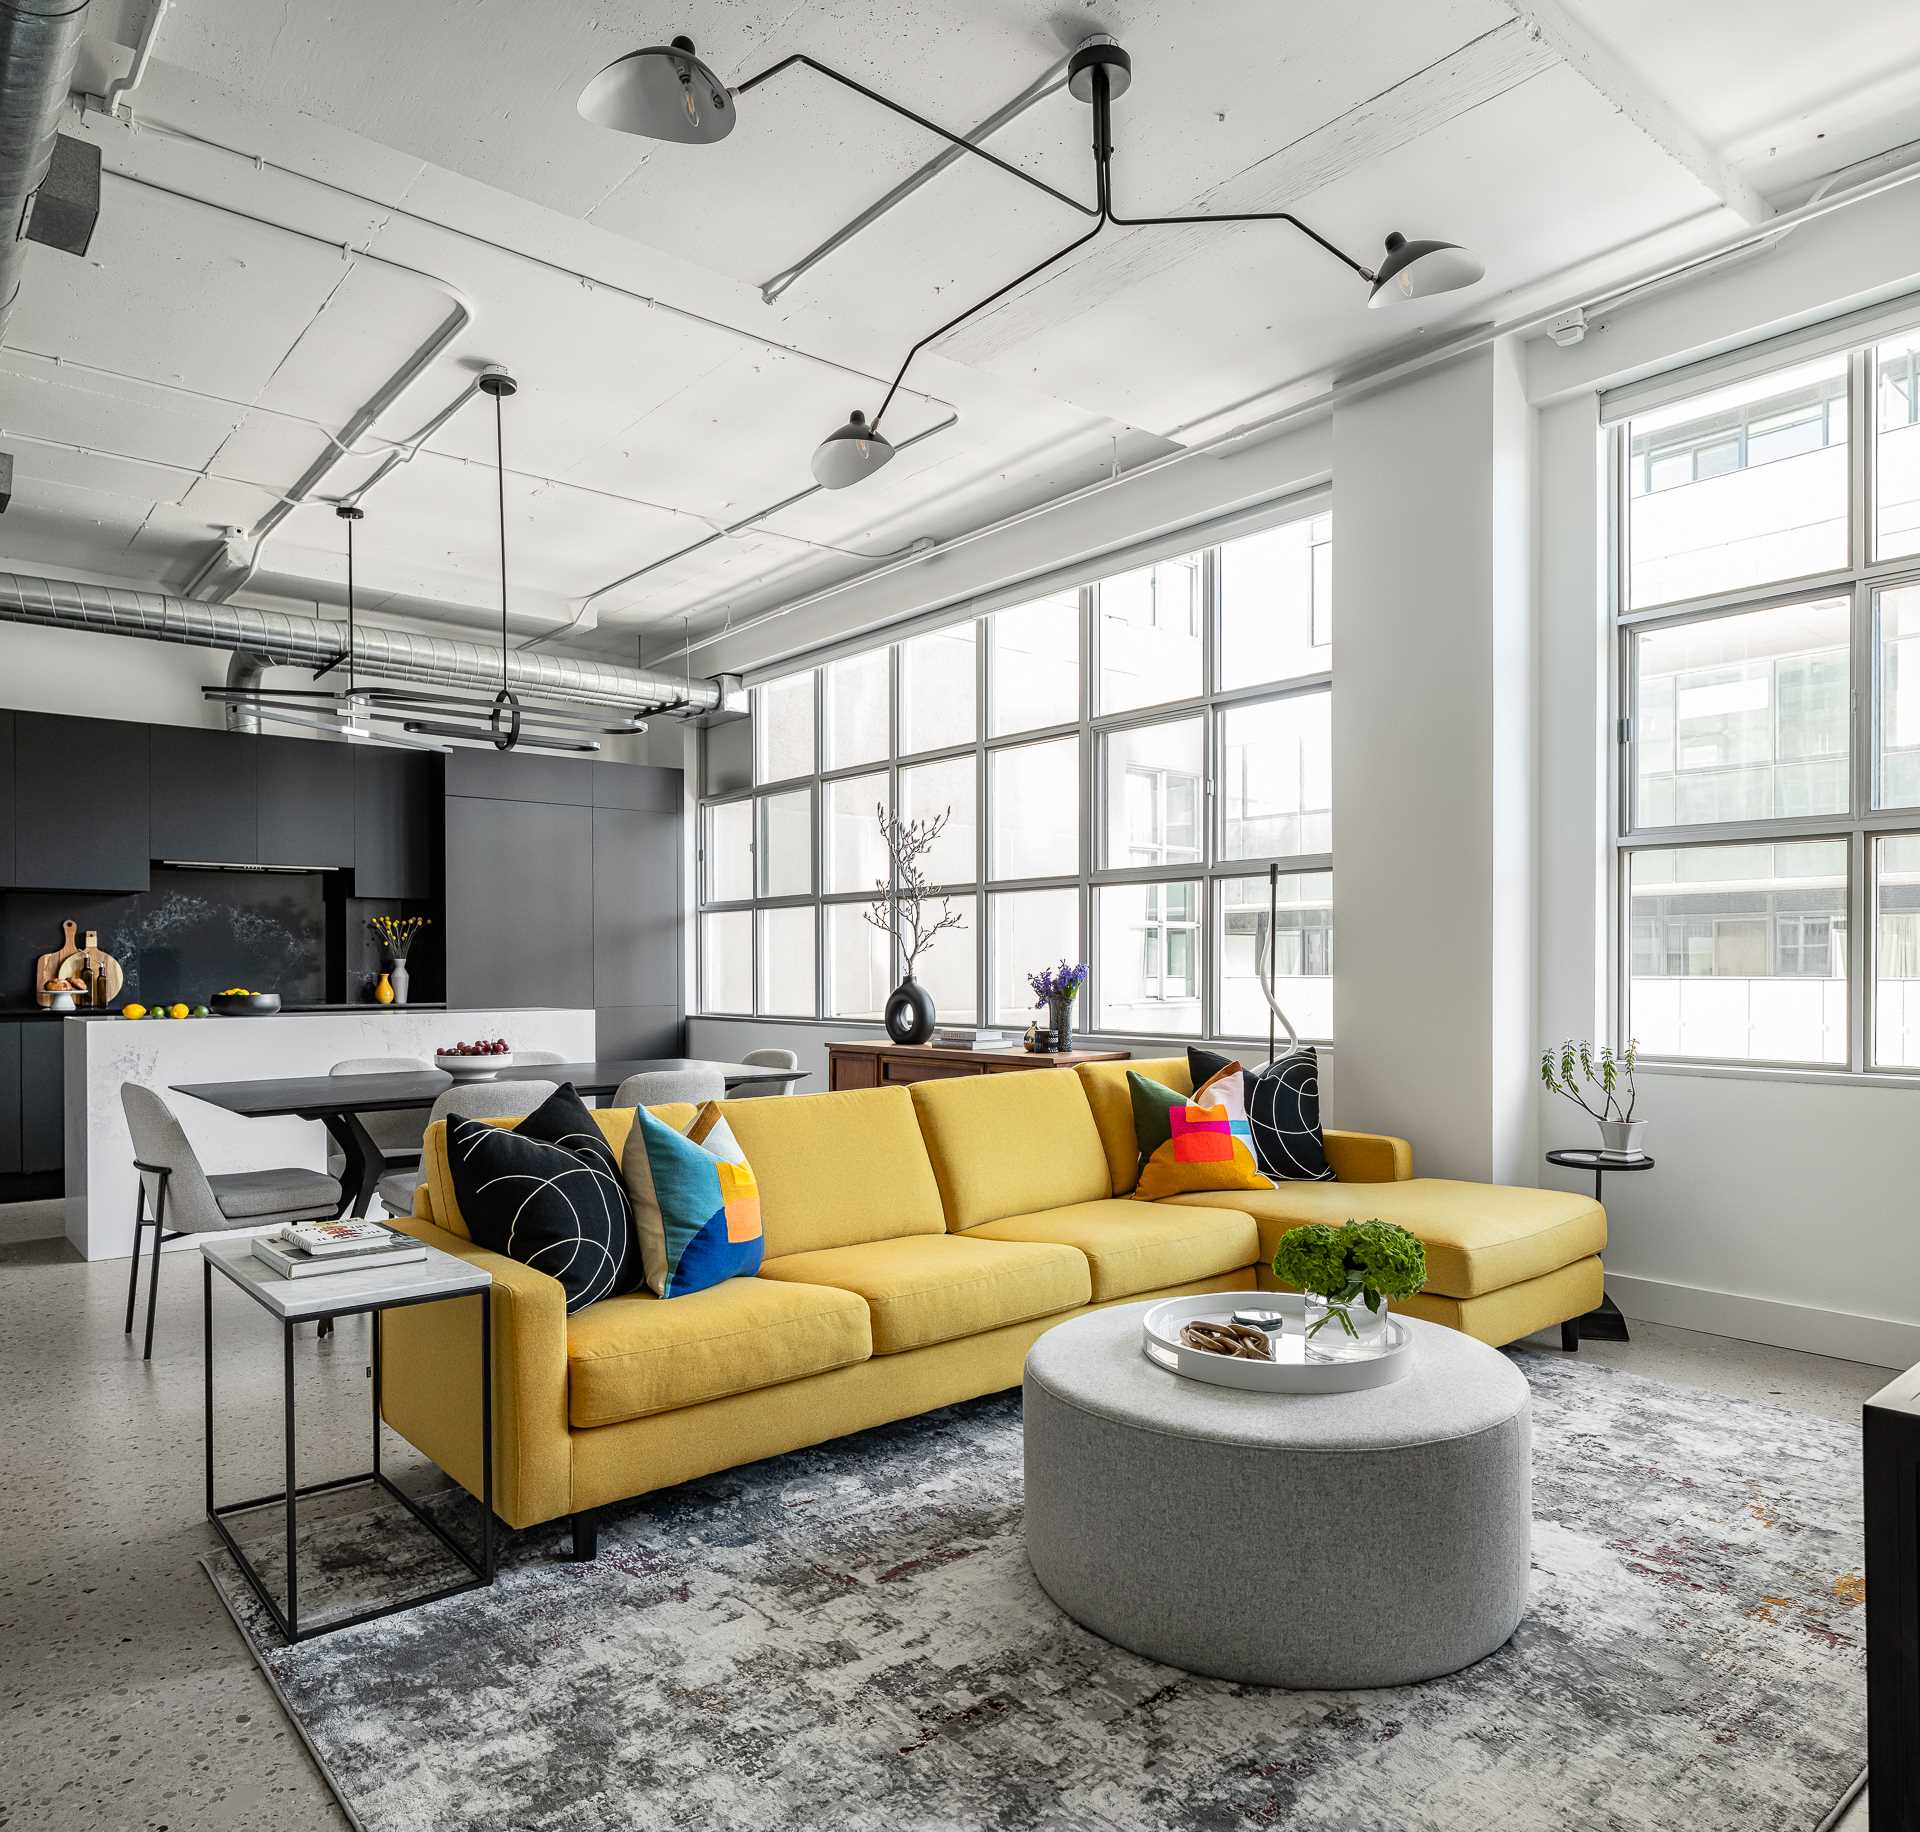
1056	988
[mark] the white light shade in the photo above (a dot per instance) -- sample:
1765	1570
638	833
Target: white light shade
663	92
1413	270
849	453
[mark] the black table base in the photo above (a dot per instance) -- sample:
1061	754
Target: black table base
478	1563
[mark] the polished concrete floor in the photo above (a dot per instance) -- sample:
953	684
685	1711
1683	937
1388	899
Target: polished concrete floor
127	1699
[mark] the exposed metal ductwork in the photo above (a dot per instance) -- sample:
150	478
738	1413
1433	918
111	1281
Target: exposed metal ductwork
285	640
39	40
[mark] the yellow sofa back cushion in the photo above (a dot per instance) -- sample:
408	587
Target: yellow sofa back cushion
443	1207
837	1170
1105	1086
1010	1143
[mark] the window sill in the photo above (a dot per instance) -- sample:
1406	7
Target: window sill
1818	1078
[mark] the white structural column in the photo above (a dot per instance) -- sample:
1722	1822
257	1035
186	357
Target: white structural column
1434	767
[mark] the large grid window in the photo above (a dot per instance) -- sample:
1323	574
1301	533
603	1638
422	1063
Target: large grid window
1768	614
1120	766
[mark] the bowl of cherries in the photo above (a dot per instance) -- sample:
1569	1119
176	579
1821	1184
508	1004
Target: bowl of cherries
474	1061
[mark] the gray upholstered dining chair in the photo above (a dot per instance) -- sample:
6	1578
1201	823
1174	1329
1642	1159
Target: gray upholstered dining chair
396	1134
767	1059
473	1100
184	1199
654	1087
536	1057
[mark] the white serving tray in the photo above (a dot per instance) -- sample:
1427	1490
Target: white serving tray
1291	1372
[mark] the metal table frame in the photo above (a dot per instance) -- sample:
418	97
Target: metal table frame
480	1564
1604	1323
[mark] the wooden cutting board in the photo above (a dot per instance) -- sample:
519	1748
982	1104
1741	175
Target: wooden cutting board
93	960
48	966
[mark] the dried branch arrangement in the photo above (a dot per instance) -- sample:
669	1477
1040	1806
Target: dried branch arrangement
903	909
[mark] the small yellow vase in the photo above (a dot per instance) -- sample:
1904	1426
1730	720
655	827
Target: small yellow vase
384	991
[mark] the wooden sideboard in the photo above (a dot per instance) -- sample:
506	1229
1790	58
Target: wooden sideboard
882	1065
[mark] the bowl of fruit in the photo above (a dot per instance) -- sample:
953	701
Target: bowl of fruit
238	1002
474	1061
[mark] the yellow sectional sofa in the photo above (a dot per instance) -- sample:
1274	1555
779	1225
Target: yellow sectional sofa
917	1241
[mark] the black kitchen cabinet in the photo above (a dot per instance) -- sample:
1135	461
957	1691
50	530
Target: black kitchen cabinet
396	845
10	1098
204	796
519	902
43	1098
6	798
80	804
519	776
636	907
306	801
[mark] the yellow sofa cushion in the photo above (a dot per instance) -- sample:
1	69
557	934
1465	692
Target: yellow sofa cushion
1009	1144
631	1356
1480	1237
1133	1247
441	1207
931	1288
1110	1100
837	1169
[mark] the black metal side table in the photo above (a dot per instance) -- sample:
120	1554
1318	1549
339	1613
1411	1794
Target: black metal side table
1605	1324
346	1294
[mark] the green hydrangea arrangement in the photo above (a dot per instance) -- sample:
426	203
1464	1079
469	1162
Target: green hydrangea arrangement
1368	1260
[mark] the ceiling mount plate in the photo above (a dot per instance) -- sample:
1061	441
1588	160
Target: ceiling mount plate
1099	52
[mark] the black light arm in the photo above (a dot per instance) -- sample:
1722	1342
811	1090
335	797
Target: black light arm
932	127
1079	241
1103	211
1102	158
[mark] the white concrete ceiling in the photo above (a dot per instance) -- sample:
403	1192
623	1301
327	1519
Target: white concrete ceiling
179	380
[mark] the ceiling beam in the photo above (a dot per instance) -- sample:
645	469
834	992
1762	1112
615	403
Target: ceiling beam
1468	78
1625	93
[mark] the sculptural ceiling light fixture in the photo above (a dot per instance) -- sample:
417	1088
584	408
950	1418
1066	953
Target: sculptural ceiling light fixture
666	92
507	721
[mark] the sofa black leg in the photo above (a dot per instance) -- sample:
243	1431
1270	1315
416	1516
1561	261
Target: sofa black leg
1570	1335
586	1537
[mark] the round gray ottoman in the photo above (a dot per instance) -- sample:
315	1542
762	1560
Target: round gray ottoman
1307	1540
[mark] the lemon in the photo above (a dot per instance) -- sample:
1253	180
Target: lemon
133	1011
176	1011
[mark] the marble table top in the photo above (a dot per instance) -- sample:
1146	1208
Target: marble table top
326	1294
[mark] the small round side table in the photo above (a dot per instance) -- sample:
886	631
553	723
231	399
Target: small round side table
1605	1324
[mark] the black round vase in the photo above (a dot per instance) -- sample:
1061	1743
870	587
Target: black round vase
910	1012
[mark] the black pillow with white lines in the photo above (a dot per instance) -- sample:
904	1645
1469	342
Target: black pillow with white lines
549	1194
1283	1113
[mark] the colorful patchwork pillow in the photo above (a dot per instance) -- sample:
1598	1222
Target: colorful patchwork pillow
1193	1142
696	1205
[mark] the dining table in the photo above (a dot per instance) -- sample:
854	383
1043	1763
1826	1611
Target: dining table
338	1101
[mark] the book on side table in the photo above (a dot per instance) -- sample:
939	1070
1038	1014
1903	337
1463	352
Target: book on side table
307	1249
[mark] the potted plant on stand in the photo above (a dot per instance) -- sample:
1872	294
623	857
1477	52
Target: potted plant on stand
902	912
1575	1068
395	935
1364	1263
1056	988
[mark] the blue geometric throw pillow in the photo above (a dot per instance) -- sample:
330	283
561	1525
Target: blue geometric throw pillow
696	1204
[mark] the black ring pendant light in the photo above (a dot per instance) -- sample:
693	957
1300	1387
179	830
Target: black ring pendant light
665	92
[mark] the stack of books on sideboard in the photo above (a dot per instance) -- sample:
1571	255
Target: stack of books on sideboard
306	1249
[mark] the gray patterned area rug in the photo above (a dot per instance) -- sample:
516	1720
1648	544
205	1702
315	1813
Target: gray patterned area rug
849	1637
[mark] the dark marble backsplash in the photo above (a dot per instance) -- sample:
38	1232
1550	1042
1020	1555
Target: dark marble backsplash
187	937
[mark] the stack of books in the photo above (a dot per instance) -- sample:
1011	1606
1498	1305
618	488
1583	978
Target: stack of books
304	1249
962	1038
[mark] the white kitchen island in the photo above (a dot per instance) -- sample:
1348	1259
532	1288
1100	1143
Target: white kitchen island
103	1052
